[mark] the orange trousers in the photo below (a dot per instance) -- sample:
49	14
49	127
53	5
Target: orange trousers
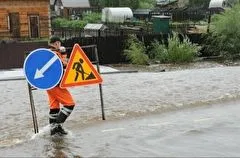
59	96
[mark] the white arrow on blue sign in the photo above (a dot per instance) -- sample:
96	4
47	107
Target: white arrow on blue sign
43	69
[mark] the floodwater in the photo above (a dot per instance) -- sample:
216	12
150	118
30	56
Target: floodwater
177	113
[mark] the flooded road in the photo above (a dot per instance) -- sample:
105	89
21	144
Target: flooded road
178	113
200	132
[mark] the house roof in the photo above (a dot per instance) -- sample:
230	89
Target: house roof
76	3
94	27
142	11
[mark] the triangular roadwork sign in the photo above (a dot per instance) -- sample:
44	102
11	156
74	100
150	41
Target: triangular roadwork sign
80	70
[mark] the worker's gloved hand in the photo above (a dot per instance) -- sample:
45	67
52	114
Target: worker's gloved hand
62	49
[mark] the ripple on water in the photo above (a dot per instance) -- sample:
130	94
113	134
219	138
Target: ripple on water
10	142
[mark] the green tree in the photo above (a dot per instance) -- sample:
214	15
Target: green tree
199	3
225	30
133	4
147	4
98	3
94	3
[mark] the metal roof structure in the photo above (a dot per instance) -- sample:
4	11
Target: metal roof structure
142	11
90	26
76	3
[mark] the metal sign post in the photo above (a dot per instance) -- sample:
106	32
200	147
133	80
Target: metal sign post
79	63
34	115
98	69
100	85
45	80
43	70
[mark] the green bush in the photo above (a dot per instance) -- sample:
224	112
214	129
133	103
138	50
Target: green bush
135	51
210	45
60	22
92	17
176	52
225	29
76	24
158	52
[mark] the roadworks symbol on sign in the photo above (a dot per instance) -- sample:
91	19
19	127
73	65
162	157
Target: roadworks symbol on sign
80	70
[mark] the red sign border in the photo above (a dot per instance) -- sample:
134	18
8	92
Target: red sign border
98	79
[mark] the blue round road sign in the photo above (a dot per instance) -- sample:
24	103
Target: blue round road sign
43	69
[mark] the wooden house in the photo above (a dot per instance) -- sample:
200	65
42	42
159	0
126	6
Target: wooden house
71	8
24	19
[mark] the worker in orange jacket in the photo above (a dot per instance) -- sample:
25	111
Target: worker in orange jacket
59	95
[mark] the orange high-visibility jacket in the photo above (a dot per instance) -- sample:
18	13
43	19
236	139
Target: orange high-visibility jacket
59	95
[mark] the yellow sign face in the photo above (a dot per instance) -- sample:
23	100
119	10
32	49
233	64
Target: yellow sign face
80	70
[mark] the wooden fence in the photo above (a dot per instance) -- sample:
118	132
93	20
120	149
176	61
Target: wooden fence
110	48
12	54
